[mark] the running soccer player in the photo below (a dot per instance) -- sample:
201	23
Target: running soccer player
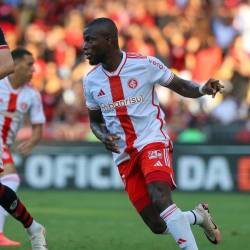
15	99
125	115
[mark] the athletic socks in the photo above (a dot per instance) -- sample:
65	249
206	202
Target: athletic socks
193	217
34	228
179	227
10	202
12	181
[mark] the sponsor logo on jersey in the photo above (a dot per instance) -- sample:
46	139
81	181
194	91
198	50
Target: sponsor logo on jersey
132	83
157	64
154	154
126	102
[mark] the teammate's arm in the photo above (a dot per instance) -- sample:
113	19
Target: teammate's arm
100	130
26	146
6	61
193	90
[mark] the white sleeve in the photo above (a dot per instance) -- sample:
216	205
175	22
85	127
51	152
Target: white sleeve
158	72
89	100
36	110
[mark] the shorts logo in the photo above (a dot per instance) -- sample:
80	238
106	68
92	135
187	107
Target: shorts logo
154	154
158	164
132	83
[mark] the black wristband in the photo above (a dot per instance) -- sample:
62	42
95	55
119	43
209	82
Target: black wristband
2	39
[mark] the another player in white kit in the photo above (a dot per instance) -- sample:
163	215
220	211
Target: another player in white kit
17	99
125	115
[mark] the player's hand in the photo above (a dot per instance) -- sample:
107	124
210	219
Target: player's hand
25	147
110	142
212	87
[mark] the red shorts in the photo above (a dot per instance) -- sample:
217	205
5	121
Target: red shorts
152	163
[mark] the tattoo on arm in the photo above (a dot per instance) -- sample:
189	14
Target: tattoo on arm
99	130
184	87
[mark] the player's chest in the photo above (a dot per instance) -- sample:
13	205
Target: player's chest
127	89
12	102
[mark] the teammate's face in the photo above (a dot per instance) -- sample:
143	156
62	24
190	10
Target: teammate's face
95	46
24	69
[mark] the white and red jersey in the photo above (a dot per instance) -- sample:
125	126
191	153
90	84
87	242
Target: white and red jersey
14	104
128	101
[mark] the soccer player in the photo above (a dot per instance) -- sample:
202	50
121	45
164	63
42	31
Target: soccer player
125	115
16	98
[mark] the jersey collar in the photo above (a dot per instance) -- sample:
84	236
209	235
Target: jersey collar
119	68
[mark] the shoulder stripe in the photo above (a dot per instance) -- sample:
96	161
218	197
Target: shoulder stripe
136	56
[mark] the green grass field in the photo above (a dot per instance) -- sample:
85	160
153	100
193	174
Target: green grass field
106	220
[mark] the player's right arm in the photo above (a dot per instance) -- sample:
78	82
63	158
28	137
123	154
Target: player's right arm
100	130
6	61
97	123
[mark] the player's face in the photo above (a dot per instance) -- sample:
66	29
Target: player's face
24	69
95	46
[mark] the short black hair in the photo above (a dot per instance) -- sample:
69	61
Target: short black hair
19	53
103	21
107	27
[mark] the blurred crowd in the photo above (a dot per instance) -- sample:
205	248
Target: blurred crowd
197	39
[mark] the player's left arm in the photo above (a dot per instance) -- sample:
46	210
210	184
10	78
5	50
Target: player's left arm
194	90
26	147
37	119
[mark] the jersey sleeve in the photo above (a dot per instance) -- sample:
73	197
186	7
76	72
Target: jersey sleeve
158	72
36	110
89	100
3	43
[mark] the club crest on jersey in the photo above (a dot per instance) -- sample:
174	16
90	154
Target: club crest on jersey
132	83
24	106
154	154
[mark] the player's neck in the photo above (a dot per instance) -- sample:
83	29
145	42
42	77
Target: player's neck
113	61
14	82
